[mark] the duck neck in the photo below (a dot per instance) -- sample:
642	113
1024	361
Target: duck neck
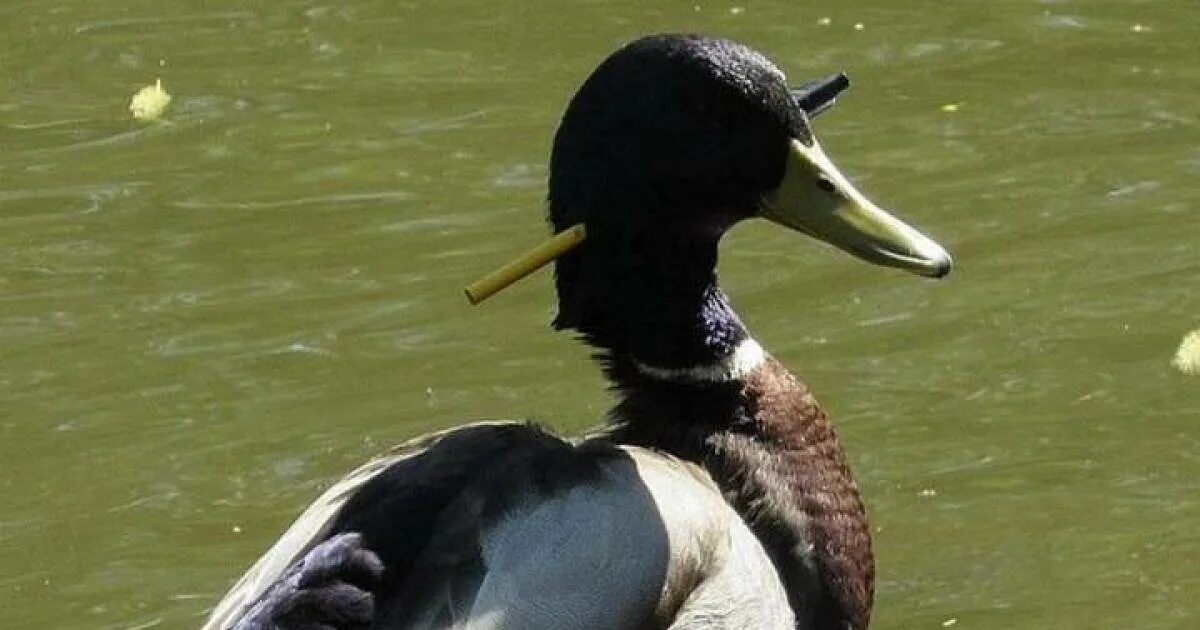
692	382
693	335
649	301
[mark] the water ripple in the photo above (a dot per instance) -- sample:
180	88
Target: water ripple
99	25
348	198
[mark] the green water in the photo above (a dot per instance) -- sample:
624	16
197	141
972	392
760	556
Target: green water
203	322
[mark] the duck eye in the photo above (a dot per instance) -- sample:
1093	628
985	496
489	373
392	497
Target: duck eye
825	184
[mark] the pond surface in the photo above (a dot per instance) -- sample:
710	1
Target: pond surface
205	321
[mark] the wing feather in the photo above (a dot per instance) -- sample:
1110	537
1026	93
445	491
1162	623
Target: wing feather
318	521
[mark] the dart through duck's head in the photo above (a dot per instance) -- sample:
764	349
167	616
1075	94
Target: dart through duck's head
671	141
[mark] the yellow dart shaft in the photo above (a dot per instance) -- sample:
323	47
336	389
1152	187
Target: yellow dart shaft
525	264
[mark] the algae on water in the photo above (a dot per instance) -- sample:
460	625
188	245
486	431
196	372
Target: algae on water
1187	357
150	102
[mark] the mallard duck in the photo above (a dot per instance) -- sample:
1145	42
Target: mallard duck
718	495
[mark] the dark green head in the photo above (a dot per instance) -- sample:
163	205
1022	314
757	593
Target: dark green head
677	129
669	142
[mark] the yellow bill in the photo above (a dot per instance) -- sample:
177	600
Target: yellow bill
525	264
816	199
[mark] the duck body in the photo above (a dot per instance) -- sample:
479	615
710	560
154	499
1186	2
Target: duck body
501	525
718	495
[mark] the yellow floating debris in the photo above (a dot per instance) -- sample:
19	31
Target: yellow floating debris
150	102
1187	357
950	108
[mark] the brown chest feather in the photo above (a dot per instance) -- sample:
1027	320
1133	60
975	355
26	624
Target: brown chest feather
769	446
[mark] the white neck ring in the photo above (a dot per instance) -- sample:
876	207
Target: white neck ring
737	365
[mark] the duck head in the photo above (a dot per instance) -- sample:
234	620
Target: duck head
671	141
